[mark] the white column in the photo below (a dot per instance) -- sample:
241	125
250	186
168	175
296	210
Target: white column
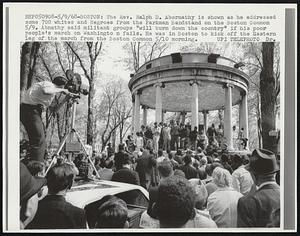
245	116
194	104
132	119
158	102
241	115
145	111
228	116
137	112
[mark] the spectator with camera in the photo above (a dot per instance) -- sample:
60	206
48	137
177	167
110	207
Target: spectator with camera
54	212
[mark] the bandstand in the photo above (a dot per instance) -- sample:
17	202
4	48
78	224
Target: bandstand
190	82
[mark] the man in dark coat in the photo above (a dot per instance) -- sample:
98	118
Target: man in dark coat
125	174
256	208
144	168
119	157
54	212
188	169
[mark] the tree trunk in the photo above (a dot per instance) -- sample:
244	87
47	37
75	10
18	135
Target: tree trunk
25	65
259	129
113	139
33	57
90	118
28	61
268	96
121	132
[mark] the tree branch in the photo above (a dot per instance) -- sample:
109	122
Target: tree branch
59	59
80	61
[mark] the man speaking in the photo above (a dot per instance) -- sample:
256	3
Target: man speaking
34	100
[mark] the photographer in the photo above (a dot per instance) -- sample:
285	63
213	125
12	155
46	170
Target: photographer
37	98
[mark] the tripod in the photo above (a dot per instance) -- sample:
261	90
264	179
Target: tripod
71	133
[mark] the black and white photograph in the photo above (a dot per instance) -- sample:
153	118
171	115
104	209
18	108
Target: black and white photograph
149	135
153	131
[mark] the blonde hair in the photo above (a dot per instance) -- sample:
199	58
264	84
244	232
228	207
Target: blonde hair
222	177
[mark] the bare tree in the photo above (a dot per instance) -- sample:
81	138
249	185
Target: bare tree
93	51
112	112
140	53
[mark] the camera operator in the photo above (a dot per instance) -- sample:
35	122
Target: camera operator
37	98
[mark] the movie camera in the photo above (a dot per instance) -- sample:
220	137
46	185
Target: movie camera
74	86
74	83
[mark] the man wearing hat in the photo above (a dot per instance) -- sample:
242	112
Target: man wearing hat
30	194
255	209
38	97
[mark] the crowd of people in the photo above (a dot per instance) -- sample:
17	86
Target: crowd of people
192	179
202	188
175	135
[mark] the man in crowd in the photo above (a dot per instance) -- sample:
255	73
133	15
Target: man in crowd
34	100
188	169
130	144
149	218
119	156
31	192
242	138
194	138
156	134
220	135
106	172
166	135
139	141
256	208
202	140
109	150
225	163
160	156
183	136
126	174
149	137
174	131
144	167
112	213
179	157
211	133
176	205
54	212
241	178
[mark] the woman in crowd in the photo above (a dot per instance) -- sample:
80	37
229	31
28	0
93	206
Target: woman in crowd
222	203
